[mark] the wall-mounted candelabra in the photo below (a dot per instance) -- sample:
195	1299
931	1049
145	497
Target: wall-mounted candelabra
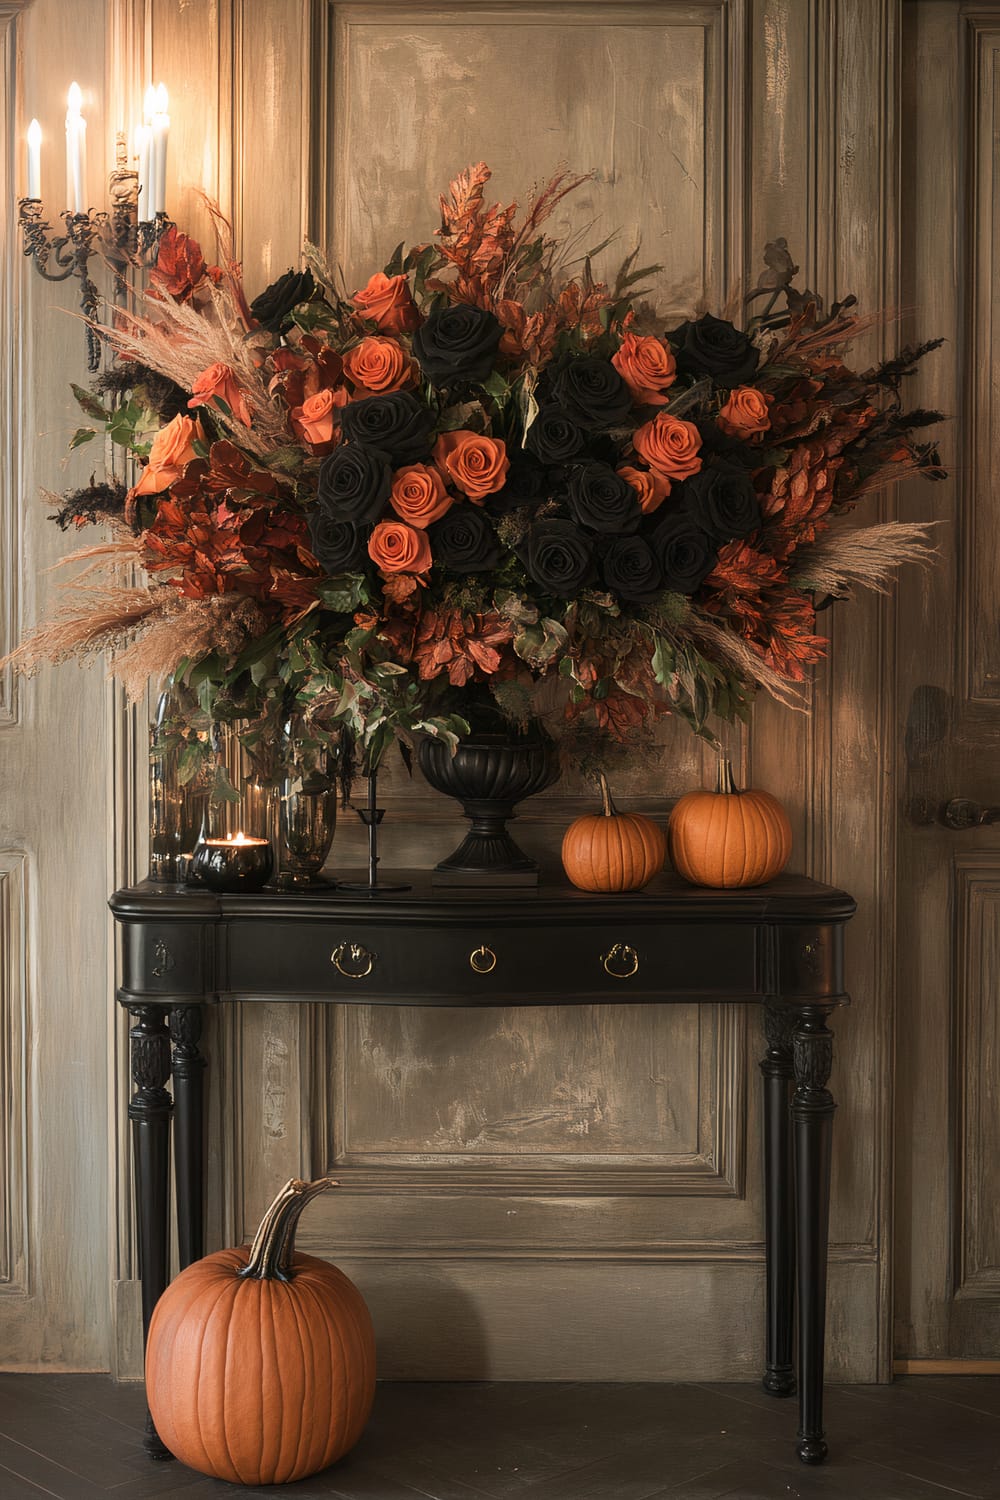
124	236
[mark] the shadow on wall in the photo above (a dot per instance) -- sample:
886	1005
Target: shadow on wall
406	1307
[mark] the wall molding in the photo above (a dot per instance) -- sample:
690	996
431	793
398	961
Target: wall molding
14	1051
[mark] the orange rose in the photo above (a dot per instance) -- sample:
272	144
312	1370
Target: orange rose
314	420
418	495
670	446
173	448
651	489
218	383
379	365
475	464
746	412
395	547
647	367
387	300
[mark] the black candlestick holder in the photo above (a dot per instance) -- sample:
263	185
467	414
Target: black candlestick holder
116	235
371	816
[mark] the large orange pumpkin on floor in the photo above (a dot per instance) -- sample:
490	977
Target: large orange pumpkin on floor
728	838
613	851
260	1364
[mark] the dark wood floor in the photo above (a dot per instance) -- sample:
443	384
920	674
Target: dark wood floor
79	1437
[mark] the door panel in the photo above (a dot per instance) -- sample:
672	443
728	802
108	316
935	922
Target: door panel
948	1237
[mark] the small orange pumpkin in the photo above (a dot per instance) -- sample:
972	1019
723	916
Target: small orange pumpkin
728	838
613	851
260	1364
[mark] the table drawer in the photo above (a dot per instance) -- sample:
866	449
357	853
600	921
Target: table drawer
482	963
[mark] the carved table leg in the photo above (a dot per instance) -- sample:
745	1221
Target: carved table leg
149	1111
779	1223
812	1117
188	1082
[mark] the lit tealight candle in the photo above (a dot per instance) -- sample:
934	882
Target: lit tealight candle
237	863
158	150
34	160
76	152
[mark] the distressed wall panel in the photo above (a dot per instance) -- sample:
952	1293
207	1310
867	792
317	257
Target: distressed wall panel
589	1099
10	364
976	1074
980	618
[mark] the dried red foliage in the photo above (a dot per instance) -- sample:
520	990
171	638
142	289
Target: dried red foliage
180	267
463	646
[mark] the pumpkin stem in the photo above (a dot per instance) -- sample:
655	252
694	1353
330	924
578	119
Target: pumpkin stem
607	806
727	782
273	1248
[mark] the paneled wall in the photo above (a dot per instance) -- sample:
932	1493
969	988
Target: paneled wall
526	1194
54	950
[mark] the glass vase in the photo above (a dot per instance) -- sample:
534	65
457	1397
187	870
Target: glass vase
307	817
177	808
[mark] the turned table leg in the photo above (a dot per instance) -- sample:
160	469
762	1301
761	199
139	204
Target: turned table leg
812	1119
188	1070
779	1222
149	1112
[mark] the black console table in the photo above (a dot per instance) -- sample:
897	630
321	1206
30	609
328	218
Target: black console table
779	945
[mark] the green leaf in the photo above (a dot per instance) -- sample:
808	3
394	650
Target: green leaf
82	435
423	267
344	593
394	265
89	404
496	386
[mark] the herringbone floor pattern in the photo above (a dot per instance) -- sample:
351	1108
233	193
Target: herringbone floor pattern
79	1437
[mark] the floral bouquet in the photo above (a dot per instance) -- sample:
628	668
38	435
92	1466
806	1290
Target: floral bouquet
478	485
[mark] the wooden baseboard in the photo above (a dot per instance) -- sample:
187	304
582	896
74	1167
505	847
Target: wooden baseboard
946	1367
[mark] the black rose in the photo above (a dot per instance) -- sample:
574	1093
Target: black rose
397	424
722	501
592	392
602	500
554	437
711	346
457	342
354	483
338	545
686	554
273	308
464	541
557	556
526	483
632	569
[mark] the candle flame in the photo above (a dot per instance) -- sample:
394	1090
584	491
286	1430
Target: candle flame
34	134
149	103
240	838
160	102
74	99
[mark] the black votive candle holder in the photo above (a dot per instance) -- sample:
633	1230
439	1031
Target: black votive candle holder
233	864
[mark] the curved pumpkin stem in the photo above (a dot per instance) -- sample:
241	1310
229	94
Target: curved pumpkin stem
726	783
607	805
273	1248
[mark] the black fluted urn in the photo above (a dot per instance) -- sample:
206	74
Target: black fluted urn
490	774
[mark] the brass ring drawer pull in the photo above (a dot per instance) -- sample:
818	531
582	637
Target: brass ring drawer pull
362	961
621	961
483	959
